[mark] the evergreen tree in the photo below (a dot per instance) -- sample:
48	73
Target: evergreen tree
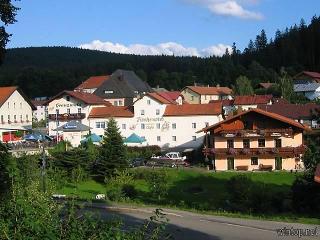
243	86
112	153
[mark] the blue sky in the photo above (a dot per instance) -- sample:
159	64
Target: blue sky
180	27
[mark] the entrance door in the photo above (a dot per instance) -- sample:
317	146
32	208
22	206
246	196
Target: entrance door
230	162
278	163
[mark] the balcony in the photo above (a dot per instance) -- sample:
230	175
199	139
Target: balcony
66	116
263	152
258	133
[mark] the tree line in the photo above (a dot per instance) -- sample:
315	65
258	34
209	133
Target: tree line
44	71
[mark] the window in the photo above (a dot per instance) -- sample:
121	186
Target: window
174	138
230	143
254	161
15	118
115	103
79	110
157	111
68	110
8	117
149	102
100	125
278	143
174	125
120	103
158	138
142	112
158	125
192	98
124	126
8	105
246	143
143	126
27	117
68	98
20	118
2	120
57	111
194	138
194	125
206	124
14	105
261	142
20	105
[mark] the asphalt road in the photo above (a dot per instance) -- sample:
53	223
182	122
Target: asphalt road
190	226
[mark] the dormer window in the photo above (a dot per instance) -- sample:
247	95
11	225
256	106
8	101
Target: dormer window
108	91
68	98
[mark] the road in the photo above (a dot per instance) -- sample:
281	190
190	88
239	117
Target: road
190	226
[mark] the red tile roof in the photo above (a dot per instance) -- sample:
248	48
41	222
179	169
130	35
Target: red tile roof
193	109
160	98
224	102
39	102
111	111
93	82
171	96
5	93
252	99
312	74
87	98
262	112
210	90
293	111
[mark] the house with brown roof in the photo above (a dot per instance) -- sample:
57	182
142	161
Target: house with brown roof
159	120
202	95
71	105
307	114
247	102
15	113
91	84
255	140
306	77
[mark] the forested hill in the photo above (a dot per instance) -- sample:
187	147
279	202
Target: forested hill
44	71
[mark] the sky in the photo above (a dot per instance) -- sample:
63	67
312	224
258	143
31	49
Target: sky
152	27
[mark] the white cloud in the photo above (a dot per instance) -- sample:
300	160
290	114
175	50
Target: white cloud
168	48
232	8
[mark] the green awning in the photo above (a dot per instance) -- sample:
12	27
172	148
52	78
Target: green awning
134	138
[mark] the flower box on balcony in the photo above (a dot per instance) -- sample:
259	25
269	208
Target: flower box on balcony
245	151
275	150
232	151
261	151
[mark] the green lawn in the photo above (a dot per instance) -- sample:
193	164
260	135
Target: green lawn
181	183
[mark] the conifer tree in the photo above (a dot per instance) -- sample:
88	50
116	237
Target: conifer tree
243	86
112	153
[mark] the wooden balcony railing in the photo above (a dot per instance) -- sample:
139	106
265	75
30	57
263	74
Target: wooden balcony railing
66	116
258	132
283	151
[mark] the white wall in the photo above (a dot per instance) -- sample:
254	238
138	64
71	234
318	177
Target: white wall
40	113
15	108
160	126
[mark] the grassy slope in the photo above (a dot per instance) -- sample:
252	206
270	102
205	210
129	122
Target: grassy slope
213	195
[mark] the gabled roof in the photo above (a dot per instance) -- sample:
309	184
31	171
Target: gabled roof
293	111
93	82
6	92
210	90
39	102
308	87
87	98
171	96
252	99
122	84
310	74
158	97
262	112
111	111
193	109
73	126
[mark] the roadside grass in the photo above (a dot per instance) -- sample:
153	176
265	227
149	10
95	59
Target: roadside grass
197	191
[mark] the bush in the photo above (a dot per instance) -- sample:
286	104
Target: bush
129	191
158	183
115	193
144	152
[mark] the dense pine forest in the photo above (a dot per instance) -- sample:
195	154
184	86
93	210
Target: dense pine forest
44	71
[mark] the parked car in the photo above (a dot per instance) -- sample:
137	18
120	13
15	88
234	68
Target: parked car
136	162
171	159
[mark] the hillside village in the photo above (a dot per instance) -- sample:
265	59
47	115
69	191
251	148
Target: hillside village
235	132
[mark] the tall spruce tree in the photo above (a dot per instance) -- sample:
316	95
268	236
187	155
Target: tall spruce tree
112	153
286	86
